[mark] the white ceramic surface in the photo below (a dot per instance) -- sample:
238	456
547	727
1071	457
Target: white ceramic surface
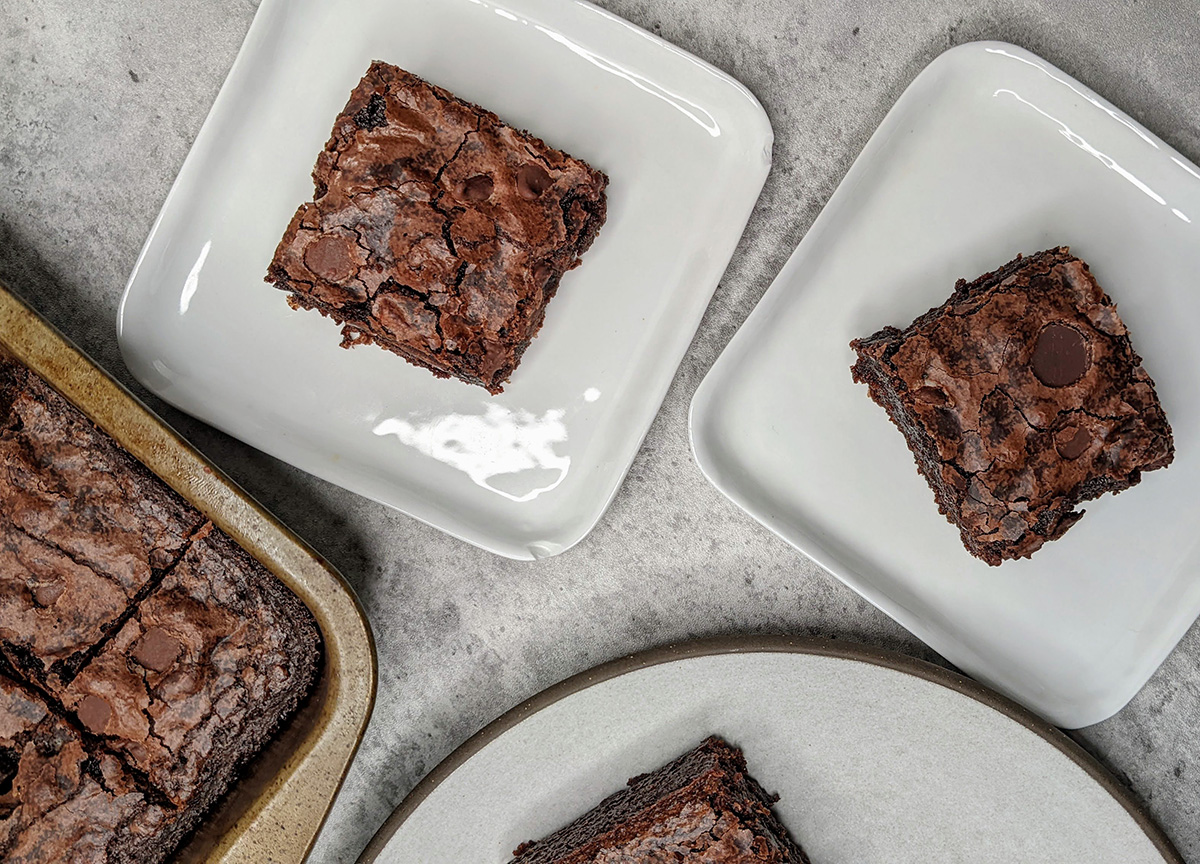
527	473
871	765
991	151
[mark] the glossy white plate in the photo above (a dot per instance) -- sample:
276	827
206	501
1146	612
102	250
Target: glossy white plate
991	151
525	474
876	757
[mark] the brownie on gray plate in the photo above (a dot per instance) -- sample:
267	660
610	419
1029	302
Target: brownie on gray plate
702	806
1020	397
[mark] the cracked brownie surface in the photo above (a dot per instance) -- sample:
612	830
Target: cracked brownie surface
84	530
60	798
436	230
145	657
1020	397
199	676
702	806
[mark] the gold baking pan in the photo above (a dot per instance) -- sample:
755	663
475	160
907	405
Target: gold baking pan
273	814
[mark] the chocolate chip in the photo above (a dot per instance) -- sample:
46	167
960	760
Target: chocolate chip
94	713
931	396
477	188
1072	443
157	649
331	258
948	426
542	273
532	181
373	114
1060	357
47	593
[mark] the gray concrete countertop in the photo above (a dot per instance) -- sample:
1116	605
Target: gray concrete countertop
99	103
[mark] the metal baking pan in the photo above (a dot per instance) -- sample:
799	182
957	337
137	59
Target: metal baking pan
274	812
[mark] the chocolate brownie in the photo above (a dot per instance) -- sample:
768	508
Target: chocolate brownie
200	675
149	655
437	231
1020	397
61	480
63	800
703	806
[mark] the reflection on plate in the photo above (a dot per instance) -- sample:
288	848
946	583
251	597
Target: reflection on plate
876	758
990	152
526	473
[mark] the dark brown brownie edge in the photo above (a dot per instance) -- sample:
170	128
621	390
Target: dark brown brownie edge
626	814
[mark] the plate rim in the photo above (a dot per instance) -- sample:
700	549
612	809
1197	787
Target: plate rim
562	534
800	535
773	644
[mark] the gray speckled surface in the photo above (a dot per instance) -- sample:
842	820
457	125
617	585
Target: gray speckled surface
99	103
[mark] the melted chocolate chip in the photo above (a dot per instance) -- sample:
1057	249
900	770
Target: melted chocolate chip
373	114
542	273
477	188
94	713
47	593
331	257
532	181
1072	443
948	426
931	396
157	649
1060	357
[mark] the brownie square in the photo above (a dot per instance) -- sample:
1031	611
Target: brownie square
1020	397
436	230
84	529
702	806
61	800
201	675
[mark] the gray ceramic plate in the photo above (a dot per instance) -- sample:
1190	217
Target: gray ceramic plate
876	757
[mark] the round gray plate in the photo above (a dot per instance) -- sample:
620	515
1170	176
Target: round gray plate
876	758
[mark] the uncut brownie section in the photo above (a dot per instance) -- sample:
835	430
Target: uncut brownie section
1020	397
702	806
202	674
85	530
436	230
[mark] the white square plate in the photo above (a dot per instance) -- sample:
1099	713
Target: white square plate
991	151
527	473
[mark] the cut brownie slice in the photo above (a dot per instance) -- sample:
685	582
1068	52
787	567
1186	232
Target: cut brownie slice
85	529
52	610
201	675
60	800
1020	397
437	231
703	807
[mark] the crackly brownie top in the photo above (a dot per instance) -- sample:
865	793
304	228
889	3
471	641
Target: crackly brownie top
437	220
702	806
65	482
203	656
1028	384
59	799
83	529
